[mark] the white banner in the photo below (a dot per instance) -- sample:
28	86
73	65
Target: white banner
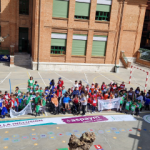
65	120
109	104
25	111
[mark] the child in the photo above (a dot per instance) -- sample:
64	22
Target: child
37	98
66	100
127	106
94	104
16	105
121	103
137	110
35	85
4	110
43	103
37	109
41	91
133	107
1	103
21	106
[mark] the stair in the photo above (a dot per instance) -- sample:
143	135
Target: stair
22	59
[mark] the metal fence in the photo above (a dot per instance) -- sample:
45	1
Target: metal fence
4	51
144	54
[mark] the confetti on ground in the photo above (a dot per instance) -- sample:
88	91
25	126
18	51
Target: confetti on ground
115	137
139	147
36	144
5	147
139	129
138	134
144	129
33	129
6	131
57	127
64	141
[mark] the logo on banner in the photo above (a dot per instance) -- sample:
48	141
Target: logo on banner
147	118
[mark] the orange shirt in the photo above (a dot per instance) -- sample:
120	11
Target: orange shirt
105	96
55	101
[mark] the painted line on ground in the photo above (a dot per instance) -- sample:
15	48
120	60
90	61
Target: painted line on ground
5	78
28	75
86	78
85	81
63	77
42	79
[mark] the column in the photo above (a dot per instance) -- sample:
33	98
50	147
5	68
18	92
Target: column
69	45
89	46
71	13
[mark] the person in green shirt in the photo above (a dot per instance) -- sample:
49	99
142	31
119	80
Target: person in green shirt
37	98
121	103
35	85
37	109
127	106
133	107
137	110
37	90
28	89
43	102
41	91
17	91
30	82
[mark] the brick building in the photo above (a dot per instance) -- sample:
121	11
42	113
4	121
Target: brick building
73	34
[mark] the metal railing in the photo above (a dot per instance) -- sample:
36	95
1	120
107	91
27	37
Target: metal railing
4	51
124	57
144	54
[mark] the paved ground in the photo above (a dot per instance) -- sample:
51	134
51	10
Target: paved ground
128	140
17	76
14	139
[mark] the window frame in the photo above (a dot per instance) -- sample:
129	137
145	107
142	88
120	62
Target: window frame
24	7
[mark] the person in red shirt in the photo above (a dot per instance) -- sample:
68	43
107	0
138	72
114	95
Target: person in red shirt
60	82
76	103
94	104
103	86
106	96
89	104
122	86
6	95
92	88
80	85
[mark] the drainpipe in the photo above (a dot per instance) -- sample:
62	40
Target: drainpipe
119	33
39	35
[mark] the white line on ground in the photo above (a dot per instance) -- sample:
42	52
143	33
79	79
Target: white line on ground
86	78
63	77
45	113
106	77
29	74
5	78
42	78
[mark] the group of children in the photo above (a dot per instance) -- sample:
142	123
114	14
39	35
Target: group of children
79	95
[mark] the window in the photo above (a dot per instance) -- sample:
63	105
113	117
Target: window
24	7
60	8
99	45
103	12
79	45
0	34
82	10
58	43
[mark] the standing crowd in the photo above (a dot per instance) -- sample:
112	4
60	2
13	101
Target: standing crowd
56	99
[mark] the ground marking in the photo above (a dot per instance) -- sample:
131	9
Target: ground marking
86	78
63	77
105	77
36	144
5	147
29	74
42	78
5	78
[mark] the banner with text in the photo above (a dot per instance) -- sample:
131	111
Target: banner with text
25	111
109	104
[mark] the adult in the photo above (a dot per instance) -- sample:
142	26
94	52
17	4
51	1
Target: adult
130	94
75	92
30	82
60	82
83	101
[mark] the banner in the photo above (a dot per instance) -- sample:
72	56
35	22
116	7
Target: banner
109	104
25	111
64	120
5	58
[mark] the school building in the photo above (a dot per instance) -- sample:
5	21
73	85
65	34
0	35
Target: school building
71	35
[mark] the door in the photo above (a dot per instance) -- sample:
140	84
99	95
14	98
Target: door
23	40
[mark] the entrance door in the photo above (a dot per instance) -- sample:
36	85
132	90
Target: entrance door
23	40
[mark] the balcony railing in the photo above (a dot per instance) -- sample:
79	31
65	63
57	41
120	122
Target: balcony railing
144	54
124	60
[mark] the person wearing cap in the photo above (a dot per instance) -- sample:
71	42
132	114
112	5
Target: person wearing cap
60	82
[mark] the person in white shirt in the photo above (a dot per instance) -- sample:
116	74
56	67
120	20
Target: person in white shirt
76	85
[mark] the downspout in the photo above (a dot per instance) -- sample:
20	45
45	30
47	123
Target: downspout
119	33
39	35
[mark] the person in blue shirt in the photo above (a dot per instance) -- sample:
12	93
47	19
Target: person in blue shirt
1	103
75	92
63	90
66	101
52	84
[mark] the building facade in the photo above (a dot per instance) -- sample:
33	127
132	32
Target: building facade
145	41
73	35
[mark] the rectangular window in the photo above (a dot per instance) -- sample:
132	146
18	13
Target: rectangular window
79	45
60	8
82	10
24	7
58	43
99	45
102	12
